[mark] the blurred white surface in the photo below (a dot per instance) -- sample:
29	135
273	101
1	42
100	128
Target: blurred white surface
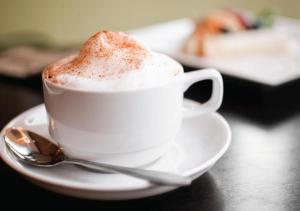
271	69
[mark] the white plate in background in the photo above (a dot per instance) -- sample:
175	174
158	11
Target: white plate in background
273	69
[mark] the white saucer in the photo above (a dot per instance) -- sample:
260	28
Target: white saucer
197	148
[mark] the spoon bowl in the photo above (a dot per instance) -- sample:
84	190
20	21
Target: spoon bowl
33	148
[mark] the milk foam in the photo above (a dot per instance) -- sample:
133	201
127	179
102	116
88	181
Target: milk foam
159	70
113	62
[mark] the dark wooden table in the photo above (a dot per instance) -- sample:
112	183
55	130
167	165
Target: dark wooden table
261	170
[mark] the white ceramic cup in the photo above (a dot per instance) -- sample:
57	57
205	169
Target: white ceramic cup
130	128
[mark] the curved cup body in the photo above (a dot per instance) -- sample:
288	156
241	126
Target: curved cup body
130	128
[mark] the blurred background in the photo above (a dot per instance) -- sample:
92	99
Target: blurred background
34	33
72	21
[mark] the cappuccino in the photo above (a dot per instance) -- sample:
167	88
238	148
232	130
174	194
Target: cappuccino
117	102
113	61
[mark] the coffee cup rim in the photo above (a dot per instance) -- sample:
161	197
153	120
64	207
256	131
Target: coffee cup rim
48	83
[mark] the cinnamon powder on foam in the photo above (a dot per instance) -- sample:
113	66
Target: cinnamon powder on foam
103	45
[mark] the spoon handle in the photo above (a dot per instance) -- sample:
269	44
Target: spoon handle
157	177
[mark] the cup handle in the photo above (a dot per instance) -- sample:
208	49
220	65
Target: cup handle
217	91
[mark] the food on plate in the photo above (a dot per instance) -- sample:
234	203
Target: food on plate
229	32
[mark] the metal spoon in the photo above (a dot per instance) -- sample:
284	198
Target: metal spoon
36	150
